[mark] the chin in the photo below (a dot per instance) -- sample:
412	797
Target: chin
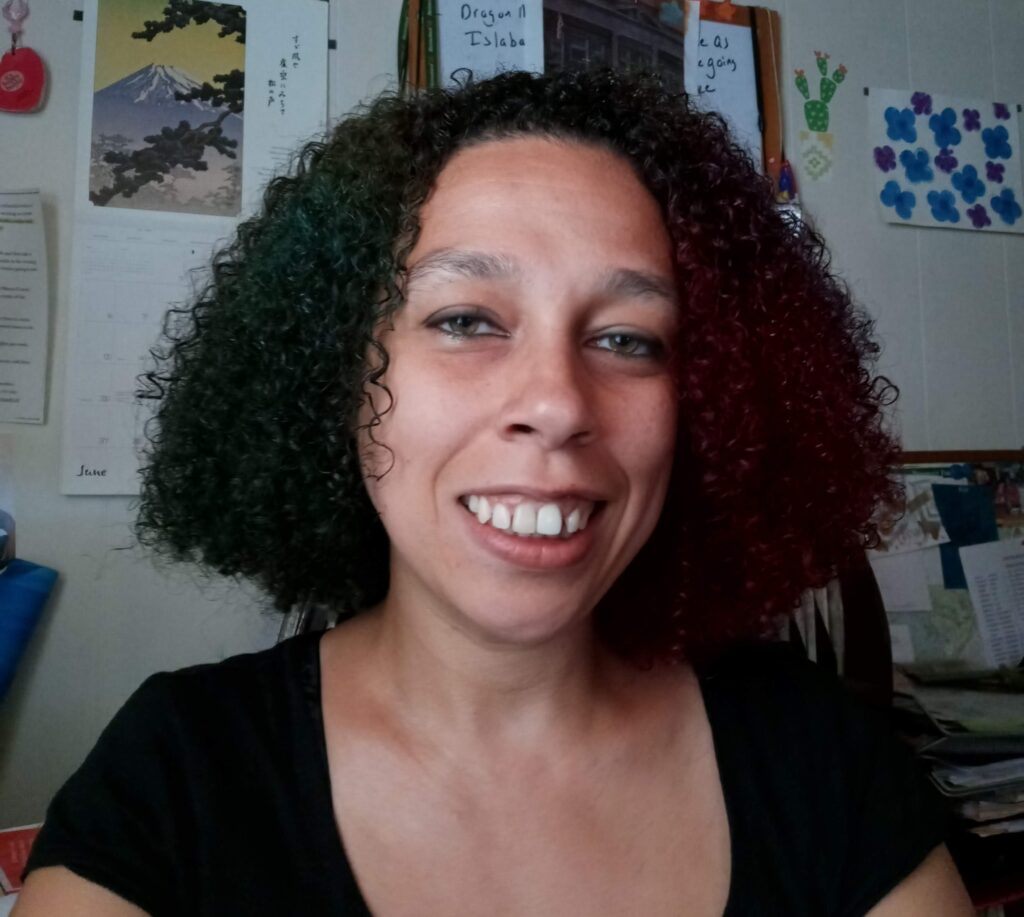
515	622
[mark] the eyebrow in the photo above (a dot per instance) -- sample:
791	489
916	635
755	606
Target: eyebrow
624	282
461	263
629	283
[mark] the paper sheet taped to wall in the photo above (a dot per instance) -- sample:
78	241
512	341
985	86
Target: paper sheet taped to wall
24	308
179	130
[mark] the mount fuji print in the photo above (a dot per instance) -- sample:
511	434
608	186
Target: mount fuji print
162	140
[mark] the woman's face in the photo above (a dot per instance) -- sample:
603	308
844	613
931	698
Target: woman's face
533	394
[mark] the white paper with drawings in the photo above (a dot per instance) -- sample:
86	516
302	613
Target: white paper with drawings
137	236
719	70
995	578
488	37
903	581
24	308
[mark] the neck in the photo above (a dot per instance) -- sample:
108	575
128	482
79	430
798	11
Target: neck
483	693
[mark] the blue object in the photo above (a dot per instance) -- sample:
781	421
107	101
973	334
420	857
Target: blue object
969	517
24	589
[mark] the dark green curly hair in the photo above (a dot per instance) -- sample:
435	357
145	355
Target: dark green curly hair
252	467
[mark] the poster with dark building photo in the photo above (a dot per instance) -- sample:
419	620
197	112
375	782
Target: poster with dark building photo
623	34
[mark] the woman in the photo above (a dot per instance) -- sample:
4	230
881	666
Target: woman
534	377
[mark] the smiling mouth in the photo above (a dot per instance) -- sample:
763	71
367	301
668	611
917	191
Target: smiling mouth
532	518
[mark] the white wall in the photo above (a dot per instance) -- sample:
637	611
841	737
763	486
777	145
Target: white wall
950	307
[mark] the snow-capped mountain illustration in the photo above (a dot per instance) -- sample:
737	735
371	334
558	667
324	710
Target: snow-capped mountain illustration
154	84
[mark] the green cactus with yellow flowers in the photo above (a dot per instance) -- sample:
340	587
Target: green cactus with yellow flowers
816	110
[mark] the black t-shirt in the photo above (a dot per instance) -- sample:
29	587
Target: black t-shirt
208	793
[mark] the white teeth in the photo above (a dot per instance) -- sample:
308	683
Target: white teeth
549	519
483	511
501	519
524	520
528	518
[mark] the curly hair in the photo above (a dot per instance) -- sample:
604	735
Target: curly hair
252	465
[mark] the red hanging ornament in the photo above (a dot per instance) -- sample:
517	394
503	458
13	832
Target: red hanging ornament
22	74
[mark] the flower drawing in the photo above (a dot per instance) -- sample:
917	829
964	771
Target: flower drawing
1008	209
946	161
972	119
979	216
917	166
994	171
997	142
901	124
1001	110
968	184
921	102
903	202
885	158
943	206
943	126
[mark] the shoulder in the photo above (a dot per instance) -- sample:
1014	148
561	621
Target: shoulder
195	760
816	780
234	690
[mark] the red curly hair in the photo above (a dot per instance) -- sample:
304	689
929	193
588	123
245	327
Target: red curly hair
782	453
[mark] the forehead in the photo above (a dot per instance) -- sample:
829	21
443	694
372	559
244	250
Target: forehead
554	192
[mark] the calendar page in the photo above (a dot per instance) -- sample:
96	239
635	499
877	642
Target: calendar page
182	121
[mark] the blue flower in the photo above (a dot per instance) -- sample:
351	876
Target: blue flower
942	126
943	206
903	201
968	184
901	124
1008	209
997	142
917	166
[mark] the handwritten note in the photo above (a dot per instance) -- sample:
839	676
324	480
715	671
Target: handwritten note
489	37
720	72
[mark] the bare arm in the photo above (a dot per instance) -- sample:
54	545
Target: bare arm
56	890
934	889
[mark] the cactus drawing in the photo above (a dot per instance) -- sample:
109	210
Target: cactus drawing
816	110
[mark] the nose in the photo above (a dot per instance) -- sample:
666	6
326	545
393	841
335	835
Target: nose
549	398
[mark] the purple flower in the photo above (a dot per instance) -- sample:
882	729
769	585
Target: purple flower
1001	110
979	216
972	119
994	171
885	158
921	102
946	161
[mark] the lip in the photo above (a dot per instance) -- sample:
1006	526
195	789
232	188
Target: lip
541	496
538	553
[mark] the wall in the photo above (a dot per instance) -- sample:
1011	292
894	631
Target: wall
950	308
